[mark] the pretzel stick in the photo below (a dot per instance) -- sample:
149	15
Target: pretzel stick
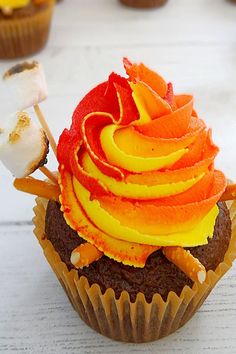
229	193
36	187
48	174
7	10
45	127
186	262
84	255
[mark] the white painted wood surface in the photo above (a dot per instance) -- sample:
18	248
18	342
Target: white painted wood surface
193	44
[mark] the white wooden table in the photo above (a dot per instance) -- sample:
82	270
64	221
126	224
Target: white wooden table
193	44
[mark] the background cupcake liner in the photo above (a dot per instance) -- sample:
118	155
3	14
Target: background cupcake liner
143	3
24	36
121	319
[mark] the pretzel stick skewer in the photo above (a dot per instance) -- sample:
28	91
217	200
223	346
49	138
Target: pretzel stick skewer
45	127
186	262
36	187
7	10
84	255
229	193
48	174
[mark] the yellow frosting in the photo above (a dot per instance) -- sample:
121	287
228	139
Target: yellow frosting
134	163
14	4
111	226
137	191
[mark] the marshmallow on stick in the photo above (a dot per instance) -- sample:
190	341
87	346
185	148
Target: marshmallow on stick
23	145
27	87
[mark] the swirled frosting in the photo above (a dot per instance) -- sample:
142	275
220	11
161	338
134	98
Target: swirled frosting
137	168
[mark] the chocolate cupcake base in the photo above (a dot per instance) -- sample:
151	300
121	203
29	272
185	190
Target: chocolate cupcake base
120	318
158	276
143	3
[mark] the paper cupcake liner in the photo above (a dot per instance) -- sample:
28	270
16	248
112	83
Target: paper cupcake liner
121	319
24	36
143	3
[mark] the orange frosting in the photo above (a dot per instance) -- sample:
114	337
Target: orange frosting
137	168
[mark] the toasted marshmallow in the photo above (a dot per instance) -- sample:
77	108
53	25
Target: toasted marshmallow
25	85
23	145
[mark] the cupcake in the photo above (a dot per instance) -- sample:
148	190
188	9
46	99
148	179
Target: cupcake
139	231
143	3
24	26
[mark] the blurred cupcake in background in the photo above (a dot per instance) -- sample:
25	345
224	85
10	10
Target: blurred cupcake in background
24	26
143	3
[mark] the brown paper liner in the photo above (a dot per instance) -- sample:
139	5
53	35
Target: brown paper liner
143	3
27	35
120	319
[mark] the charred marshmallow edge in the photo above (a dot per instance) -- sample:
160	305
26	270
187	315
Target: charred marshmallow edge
26	85
23	145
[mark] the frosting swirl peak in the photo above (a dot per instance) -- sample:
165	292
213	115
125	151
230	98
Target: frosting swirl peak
137	168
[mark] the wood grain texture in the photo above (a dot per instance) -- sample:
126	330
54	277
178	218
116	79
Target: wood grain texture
193	44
